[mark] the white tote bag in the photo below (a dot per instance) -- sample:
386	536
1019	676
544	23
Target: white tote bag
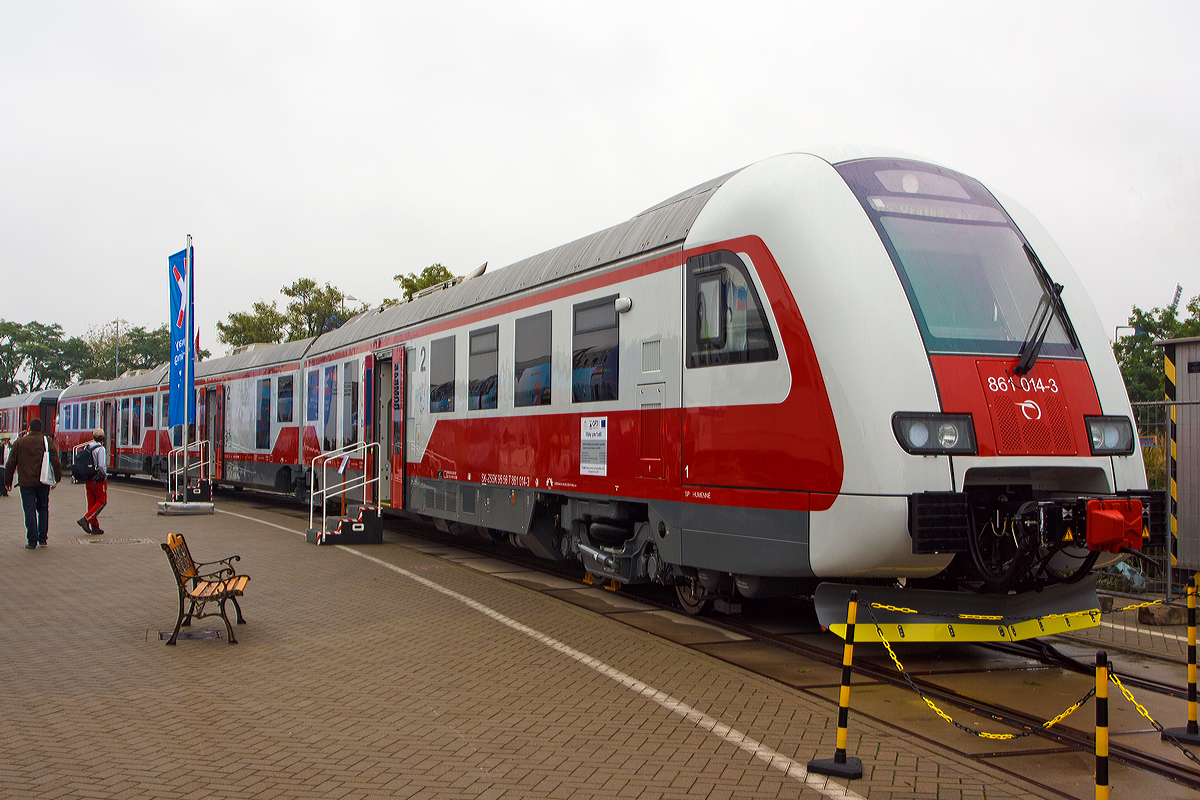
47	467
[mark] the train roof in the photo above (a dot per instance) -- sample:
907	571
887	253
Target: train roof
28	398
258	358
657	227
144	380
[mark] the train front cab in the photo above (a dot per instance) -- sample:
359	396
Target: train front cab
915	287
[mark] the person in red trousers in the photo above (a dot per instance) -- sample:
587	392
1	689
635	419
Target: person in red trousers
97	487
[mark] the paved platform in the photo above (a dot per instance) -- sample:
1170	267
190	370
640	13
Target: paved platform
386	671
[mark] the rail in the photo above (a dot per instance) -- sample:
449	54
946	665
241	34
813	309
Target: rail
179	465
346	485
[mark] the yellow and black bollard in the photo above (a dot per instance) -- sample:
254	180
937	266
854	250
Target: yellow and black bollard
1101	725
841	765
1191	733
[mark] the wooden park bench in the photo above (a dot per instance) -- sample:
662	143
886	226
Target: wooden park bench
198	587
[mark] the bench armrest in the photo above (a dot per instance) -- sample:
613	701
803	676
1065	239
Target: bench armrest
228	562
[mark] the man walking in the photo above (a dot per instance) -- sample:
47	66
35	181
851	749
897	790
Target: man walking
25	463
96	484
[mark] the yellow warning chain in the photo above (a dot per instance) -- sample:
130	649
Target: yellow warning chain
1112	676
934	707
1000	617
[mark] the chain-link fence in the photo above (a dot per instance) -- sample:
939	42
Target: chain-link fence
1154	431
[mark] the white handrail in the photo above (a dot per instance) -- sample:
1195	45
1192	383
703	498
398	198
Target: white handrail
344	454
179	465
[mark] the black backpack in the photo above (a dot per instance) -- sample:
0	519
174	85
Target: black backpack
84	466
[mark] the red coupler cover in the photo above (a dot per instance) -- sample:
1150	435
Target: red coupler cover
1113	524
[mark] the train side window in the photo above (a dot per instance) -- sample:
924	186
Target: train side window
92	413
125	421
594	373
531	353
149	406
285	398
483	368
349	403
441	375
262	427
75	416
329	434
313	400
726	322
137	422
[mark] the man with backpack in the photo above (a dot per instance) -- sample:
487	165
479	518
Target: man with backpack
89	469
25	464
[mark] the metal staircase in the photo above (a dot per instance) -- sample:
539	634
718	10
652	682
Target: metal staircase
354	525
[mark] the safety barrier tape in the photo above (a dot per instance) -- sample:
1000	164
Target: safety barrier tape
1112	676
934	707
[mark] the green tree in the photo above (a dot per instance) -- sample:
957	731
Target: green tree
11	336
1140	359
263	323
432	275
316	309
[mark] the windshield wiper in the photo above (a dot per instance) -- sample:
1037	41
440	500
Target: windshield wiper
1039	326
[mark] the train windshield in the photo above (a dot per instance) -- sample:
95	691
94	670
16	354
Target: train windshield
972	285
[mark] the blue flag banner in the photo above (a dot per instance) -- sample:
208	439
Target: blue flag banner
183	357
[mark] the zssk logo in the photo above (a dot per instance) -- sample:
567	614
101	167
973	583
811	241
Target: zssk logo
1030	409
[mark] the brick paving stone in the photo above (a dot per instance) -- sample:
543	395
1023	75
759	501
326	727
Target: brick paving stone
353	681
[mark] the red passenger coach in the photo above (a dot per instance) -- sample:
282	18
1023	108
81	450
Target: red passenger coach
248	412
829	370
131	411
17	410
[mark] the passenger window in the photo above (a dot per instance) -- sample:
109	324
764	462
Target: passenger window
594	351
329	437
483	368
262	427
313	399
441	375
149	412
532	355
349	403
137	422
285	398
124	421
726	323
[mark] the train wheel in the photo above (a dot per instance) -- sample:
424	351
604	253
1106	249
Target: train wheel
691	597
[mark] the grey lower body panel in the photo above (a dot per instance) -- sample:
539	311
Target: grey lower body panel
504	508
747	541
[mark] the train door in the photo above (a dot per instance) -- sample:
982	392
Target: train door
382	429
109	423
214	429
49	413
389	424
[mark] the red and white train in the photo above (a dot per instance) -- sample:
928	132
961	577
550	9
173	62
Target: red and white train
837	367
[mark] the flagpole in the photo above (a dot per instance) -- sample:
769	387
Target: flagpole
188	387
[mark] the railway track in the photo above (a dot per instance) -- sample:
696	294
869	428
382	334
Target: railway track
865	668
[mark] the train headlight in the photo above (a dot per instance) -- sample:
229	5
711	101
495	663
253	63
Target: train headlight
1110	436
953	434
948	435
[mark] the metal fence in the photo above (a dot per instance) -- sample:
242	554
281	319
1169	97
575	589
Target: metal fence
1153	421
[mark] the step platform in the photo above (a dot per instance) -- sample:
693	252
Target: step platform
364	528
197	499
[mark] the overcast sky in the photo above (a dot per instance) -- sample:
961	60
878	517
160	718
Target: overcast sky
349	142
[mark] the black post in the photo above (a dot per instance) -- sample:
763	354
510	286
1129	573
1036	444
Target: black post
1189	734
841	765
1101	725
